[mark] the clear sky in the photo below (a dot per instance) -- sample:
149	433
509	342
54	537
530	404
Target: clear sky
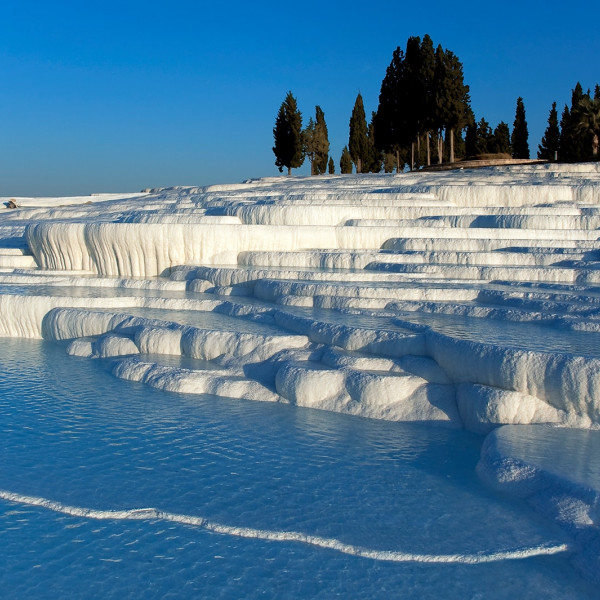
123	95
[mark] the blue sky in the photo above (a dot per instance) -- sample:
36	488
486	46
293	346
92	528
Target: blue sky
119	96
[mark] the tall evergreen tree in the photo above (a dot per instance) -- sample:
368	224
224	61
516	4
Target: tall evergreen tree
288	148
520	134
428	109
551	140
501	139
415	94
391	116
322	151
588	125
565	139
358	145
345	162
375	156
422	94
453	103
316	143
484	137
471	140
308	144
331	166
573	146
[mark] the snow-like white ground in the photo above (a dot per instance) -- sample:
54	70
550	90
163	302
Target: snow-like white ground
461	299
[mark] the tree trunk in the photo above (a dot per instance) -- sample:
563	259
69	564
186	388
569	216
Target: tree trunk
428	150
397	160
418	149
289	171
595	144
440	148
412	156
452	145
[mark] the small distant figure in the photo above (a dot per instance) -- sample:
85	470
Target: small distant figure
11	204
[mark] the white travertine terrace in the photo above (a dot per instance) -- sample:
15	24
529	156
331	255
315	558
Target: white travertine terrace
458	299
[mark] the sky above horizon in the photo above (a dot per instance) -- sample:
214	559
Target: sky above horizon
121	96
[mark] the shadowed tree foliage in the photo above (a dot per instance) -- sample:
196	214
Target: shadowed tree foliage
308	137
457	101
389	162
375	156
358	143
331	166
288	148
471	140
390	118
573	146
422	95
322	136
484	142
551	140
588	125
316	143
501	139
429	117
520	134
345	162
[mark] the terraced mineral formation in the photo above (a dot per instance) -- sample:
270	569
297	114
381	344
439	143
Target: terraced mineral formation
458	299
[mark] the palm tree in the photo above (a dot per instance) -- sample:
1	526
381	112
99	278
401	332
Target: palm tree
589	121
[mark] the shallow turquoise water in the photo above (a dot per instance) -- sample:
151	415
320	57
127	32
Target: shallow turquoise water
73	434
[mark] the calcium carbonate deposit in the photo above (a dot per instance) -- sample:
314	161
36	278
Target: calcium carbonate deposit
464	299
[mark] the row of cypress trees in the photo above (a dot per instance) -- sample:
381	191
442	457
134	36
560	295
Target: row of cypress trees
425	103
576	138
293	144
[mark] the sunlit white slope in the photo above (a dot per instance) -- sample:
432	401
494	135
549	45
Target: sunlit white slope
380	258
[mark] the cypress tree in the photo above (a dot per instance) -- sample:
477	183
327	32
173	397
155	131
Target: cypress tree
415	94
501	139
573	146
345	162
391	116
551	140
441	97
288	148
331	166
358	144
428	106
316	143
308	144
471	140
452	97
322	139
520	135
589	123
484	137
565	141
375	156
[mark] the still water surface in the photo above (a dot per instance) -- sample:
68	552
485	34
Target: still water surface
73	434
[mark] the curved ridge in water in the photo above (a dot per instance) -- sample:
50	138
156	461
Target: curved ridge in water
282	536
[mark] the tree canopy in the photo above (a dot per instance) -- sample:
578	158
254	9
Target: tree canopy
288	148
551	140
520	134
423	91
358	144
